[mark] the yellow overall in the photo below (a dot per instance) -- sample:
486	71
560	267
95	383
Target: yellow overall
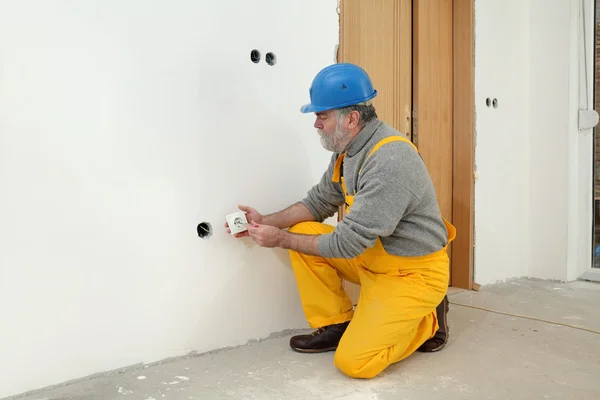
395	313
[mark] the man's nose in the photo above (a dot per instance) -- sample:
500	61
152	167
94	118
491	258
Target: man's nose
318	124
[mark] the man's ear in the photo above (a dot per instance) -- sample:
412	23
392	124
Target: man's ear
353	120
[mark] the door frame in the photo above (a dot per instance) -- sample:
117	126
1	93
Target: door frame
463	139
463	170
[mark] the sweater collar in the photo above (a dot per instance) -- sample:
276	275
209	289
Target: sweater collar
363	137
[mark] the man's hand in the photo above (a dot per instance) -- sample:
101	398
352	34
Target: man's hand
251	215
265	235
271	236
267	231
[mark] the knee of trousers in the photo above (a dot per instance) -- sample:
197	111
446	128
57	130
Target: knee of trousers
353	366
309	227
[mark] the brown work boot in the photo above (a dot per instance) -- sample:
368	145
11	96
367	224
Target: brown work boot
439	340
321	340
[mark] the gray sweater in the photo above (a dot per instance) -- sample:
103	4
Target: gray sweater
395	199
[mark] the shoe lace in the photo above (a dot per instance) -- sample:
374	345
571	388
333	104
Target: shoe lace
319	331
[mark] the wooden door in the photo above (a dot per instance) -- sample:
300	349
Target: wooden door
433	95
419	54
377	35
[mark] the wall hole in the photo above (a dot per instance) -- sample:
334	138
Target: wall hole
204	230
255	56
495	103
271	59
488	102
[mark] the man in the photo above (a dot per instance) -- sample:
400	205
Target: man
391	240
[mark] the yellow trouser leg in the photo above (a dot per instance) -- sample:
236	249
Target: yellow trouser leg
378	336
320	281
394	316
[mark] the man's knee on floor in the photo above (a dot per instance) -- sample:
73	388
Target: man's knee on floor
354	367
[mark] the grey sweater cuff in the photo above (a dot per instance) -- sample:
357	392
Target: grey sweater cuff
324	246
309	205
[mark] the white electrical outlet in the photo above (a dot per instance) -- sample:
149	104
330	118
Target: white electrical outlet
237	222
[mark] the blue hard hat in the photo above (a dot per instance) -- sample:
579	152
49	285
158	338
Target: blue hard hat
339	85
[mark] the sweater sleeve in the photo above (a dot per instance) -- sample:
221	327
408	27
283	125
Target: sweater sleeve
389	184
324	199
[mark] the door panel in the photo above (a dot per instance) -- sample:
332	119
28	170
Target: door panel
420	57
377	35
433	95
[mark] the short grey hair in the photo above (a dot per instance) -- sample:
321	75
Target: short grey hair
367	113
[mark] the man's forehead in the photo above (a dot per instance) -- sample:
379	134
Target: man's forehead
323	113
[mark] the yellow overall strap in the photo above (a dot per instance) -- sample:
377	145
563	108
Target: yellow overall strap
336	175
389	140
451	229
336	169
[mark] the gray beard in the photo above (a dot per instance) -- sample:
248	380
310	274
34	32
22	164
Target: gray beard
335	142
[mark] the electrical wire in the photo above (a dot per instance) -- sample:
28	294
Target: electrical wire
526	317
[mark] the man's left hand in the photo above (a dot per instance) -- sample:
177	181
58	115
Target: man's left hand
265	235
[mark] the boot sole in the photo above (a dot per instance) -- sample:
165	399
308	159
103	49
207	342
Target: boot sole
432	350
314	351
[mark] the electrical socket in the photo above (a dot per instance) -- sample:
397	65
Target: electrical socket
237	222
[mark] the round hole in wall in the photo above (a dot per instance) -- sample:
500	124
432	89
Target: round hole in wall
271	59
255	56
488	102
495	103
204	230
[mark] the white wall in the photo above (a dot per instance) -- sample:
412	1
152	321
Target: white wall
501	195
533	190
122	126
581	149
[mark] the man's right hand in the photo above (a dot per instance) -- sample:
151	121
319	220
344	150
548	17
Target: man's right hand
251	215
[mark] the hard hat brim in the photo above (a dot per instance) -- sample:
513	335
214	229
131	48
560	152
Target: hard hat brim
310	108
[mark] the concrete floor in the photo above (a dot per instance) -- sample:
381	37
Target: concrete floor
489	356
